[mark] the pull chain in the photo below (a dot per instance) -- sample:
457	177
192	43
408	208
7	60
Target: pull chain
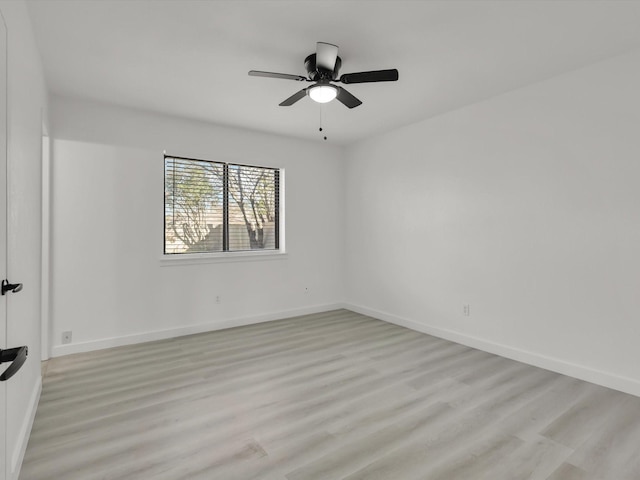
320	129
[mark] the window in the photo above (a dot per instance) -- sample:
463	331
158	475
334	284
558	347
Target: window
219	207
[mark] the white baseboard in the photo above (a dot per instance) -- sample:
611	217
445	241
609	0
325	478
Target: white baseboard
60	350
605	379
25	430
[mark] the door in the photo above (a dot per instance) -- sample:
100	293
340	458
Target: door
3	238
12	357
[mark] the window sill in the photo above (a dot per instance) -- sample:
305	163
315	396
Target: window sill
201	258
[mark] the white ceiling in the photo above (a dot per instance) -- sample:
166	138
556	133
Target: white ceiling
191	58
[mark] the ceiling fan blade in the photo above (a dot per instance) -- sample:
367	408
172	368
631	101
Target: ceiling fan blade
374	76
326	55
285	76
347	99
294	98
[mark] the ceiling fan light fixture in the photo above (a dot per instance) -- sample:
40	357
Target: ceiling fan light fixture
323	93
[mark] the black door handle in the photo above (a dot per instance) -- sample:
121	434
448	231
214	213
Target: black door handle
10	287
17	356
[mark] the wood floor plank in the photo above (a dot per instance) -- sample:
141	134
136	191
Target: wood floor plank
585	418
531	460
566	471
331	396
468	424
352	456
616	446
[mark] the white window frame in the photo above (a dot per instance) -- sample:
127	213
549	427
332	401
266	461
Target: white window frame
230	256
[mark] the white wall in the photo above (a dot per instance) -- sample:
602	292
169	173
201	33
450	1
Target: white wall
526	207
27	101
109	285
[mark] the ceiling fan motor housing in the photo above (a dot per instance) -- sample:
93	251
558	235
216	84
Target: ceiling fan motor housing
316	74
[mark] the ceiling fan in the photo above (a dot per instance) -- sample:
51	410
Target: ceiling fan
323	67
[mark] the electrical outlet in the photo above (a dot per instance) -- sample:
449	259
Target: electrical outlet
217	298
66	337
306	290
466	310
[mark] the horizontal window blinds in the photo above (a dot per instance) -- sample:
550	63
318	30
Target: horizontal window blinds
218	207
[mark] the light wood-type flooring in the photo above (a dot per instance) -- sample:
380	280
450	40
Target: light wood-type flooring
335	395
